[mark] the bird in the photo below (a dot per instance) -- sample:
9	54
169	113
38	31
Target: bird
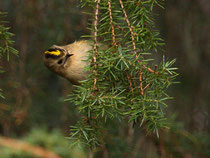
69	61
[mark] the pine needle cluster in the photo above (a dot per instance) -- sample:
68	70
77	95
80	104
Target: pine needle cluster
123	83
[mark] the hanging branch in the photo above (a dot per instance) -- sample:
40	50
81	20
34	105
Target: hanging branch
130	28
133	42
95	47
114	39
111	23
120	72
140	86
129	80
132	36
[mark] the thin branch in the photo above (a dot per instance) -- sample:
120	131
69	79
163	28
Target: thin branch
130	28
95	43
111	23
150	70
133	41
132	36
129	80
146	86
140	86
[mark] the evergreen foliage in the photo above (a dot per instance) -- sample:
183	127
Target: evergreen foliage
6	42
124	83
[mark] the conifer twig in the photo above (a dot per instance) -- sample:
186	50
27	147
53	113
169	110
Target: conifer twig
111	23
140	79
149	69
129	80
133	42
95	43
146	86
132	35
130	28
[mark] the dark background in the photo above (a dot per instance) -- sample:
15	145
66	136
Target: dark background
34	95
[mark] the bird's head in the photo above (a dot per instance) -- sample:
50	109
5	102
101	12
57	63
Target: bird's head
55	58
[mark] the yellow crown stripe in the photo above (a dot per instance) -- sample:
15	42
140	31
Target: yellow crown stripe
57	52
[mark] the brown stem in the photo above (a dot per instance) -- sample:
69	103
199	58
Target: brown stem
140	86
150	70
111	23
133	41
130	28
95	49
129	80
146	86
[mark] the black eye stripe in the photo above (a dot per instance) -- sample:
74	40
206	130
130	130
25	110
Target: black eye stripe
51	56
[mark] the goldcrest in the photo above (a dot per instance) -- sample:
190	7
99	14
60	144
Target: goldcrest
69	61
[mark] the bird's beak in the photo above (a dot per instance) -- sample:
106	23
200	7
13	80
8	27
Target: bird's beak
68	55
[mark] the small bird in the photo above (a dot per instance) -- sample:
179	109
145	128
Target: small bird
69	61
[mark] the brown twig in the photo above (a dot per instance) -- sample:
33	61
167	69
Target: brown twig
129	80
140	86
95	43
133	41
23	146
111	23
132	36
130	28
146	86
134	46
150	70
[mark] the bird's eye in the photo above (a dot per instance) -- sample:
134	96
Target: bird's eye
60	61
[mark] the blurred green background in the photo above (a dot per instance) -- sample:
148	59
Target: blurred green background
34	96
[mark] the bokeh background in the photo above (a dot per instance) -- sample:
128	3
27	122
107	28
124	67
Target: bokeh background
34	110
